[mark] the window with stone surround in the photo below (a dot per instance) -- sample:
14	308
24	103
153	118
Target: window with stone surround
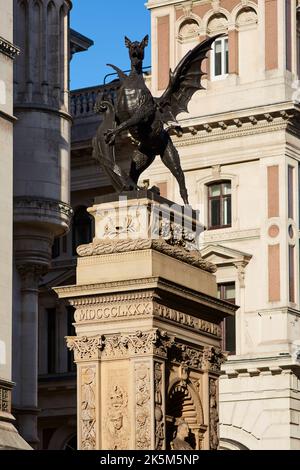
226	291
220	59
219	205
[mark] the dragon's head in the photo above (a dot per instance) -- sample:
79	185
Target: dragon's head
137	51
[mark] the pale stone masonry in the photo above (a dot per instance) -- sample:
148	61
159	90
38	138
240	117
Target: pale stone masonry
140	372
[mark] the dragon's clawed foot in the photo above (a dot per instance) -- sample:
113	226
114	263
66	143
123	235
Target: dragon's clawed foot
110	137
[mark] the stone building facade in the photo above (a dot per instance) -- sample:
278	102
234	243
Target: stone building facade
240	152
9	438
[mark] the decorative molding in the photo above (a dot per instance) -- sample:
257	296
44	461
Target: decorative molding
143	406
87	417
115	299
213	358
154	342
25	206
231	127
159	417
86	348
8	48
222	235
105	247
208	358
186	356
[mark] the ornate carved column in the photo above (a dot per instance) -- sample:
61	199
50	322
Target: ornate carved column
148	332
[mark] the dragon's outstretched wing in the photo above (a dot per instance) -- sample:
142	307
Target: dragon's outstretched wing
184	81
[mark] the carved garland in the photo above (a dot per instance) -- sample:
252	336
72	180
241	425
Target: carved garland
120	246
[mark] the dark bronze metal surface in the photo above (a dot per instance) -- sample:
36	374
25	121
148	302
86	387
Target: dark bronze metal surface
146	118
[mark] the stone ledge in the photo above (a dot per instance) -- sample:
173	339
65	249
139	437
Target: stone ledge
105	247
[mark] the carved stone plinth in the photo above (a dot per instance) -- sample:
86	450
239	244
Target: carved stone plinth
148	333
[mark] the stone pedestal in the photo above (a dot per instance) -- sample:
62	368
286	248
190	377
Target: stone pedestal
148	329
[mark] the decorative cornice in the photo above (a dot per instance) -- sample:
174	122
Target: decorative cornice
152	342
233	126
105	247
8	48
25	206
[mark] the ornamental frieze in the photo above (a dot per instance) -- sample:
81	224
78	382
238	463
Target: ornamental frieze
85	348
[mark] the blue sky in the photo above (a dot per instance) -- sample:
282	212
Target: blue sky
106	22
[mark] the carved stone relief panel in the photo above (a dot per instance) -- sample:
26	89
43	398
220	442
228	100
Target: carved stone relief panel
159	415
143	406
213	415
116	432
87	408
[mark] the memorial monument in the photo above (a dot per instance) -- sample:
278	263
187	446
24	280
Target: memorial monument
147	317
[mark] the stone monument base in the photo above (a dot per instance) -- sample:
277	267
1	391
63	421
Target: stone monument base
10	439
148	326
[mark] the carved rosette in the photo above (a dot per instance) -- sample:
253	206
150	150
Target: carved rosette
85	348
116	423
143	406
88	408
213	415
158	407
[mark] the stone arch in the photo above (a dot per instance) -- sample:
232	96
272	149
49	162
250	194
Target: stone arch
61	437
229	444
218	17
246	16
188	29
217	23
183	401
235	438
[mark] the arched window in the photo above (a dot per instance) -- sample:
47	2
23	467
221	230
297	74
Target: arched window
82	228
220	52
219	205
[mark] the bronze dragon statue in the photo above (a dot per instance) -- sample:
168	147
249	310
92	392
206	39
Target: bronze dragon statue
146	118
